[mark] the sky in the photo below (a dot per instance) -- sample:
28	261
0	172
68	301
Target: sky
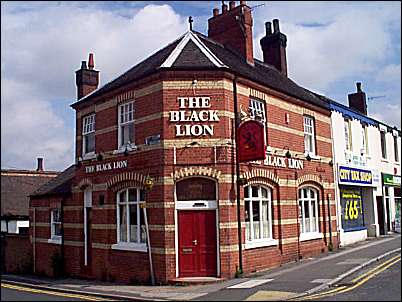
330	47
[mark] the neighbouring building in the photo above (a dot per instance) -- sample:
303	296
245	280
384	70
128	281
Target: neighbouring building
367	157
170	121
16	186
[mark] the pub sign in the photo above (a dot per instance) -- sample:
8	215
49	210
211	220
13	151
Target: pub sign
250	144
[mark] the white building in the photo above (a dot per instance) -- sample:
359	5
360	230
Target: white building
367	168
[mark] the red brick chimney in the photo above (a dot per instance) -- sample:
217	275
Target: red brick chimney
357	101
233	28
86	79
274	47
40	165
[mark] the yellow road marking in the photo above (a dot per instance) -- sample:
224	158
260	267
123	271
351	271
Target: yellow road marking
54	293
367	276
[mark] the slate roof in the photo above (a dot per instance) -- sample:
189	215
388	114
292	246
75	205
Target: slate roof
192	58
58	185
17	185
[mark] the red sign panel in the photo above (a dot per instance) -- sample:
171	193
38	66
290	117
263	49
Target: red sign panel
250	144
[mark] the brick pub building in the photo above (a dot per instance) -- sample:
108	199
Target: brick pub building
171	119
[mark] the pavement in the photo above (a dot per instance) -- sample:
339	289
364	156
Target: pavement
291	280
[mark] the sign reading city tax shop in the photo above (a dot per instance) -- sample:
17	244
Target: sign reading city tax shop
114	165
193	115
354	176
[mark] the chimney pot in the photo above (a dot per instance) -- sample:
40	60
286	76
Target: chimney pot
91	63
40	164
215	12
359	86
84	65
242	2
224	8
232	5
276	26
268	28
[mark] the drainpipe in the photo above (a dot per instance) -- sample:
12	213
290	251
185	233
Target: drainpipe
298	221
240	271
329	220
34	240
62	234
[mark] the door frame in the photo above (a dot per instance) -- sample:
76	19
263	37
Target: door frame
210	205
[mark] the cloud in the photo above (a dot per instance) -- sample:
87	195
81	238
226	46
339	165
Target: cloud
42	46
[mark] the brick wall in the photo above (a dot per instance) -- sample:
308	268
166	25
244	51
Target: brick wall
16	253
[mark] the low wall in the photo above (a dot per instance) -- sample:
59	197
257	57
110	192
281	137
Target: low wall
16	253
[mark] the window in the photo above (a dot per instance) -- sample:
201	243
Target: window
308	210
309	139
55	224
257	112
348	140
383	145
396	149
258	214
126	125
130	217
364	141
88	134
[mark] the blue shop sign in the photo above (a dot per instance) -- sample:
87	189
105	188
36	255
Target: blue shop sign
354	176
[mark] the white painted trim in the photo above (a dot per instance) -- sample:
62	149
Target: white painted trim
311	236
179	48
130	246
260	243
87	156
55	240
196	205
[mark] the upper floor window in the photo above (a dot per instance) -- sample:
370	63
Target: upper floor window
308	210
130	217
126	125
348	138
258	215
88	134
309	135
364	149
257	112
396	149
55	224
383	145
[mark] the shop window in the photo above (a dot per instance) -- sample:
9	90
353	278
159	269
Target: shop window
309	135
396	149
308	210
126	129
383	145
130	218
257	112
258	213
55	225
352	210
196	188
348	138
88	135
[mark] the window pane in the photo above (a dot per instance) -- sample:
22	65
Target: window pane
306	216
247	219
132	195
131	133
57	229
301	222
264	193
143	234
256	219
133	222
246	195
142	195
254	191
123	223
265	219
313	217
122	196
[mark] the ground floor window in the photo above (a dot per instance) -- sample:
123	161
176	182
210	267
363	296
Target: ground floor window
55	224
130	217
258	213
308	210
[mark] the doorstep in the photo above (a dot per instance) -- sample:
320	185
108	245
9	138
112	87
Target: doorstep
184	281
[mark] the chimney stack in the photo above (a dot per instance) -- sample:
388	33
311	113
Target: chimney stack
357	100
274	47
40	165
233	28
86	79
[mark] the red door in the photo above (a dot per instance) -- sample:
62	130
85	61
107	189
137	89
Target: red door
197	243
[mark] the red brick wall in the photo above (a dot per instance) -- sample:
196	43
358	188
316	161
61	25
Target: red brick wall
17	253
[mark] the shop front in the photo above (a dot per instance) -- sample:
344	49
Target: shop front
392	203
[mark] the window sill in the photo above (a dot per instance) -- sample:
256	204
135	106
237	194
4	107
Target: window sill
312	155
123	149
310	236
54	240
87	156
384	160
134	247
260	243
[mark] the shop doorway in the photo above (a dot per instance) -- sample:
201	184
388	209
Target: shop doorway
197	243
197	232
380	214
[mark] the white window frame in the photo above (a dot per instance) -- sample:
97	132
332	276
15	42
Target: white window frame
88	128
53	237
127	115
347	134
396	150
140	246
262	241
365	147
257	109
308	129
302	219
383	146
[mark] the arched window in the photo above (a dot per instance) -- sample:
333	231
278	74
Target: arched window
258	213
130	217
308	210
